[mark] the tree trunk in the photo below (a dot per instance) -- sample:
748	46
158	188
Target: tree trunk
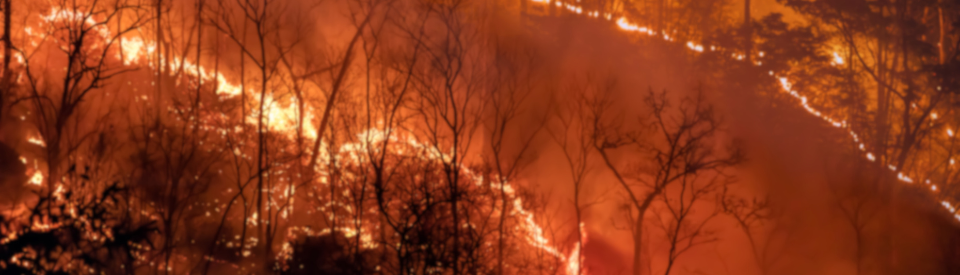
160	64
576	205
503	218
454	201
262	149
638	242
943	32
747	31
660	18
881	118
746	13
200	3
523	8
6	56
638	225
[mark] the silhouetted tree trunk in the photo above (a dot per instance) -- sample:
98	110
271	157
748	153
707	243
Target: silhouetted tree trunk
942	25
7	55
574	138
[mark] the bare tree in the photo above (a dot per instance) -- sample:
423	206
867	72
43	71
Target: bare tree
758	222
574	136
267	51
509	94
449	104
173	167
857	202
684	229
82	34
682	144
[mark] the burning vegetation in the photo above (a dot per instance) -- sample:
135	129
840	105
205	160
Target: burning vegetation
479	137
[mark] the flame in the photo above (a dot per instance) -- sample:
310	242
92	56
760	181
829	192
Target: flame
695	47
837	60
131	50
624	24
36	179
36	140
283	118
533	231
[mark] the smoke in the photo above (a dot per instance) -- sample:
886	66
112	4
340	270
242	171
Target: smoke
799	163
794	160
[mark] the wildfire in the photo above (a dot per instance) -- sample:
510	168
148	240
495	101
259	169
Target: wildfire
284	118
533	231
624	24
